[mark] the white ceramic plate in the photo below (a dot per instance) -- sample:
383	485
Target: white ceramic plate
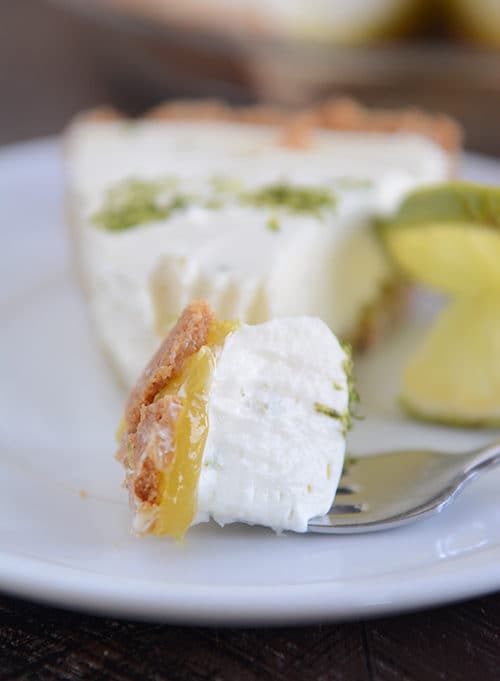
64	521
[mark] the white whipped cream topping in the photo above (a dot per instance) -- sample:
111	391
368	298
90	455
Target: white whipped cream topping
270	457
138	280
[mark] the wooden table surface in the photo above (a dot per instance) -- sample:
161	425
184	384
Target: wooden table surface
49	70
458	643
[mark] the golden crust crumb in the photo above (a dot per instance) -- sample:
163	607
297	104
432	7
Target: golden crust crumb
147	447
150	451
147	483
339	113
347	114
186	338
298	132
208	109
100	114
261	115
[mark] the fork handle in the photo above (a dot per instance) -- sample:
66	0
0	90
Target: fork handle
483	459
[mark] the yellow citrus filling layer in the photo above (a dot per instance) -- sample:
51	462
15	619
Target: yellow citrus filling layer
179	483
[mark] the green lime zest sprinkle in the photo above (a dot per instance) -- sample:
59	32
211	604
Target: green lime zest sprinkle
296	199
273	224
347	417
134	202
327	411
348	366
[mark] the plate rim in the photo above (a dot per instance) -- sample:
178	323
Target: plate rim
327	600
244	605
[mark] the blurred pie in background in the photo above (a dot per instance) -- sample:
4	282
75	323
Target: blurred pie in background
387	53
478	20
355	22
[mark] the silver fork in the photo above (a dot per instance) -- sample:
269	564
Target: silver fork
391	489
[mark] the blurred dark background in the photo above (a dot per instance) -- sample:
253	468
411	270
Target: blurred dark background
57	58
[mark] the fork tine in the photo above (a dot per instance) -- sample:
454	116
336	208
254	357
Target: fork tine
346	489
344	509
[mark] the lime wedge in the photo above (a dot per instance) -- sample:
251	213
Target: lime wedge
447	237
455	376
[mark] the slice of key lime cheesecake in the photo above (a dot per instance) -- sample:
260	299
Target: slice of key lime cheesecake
262	213
237	422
